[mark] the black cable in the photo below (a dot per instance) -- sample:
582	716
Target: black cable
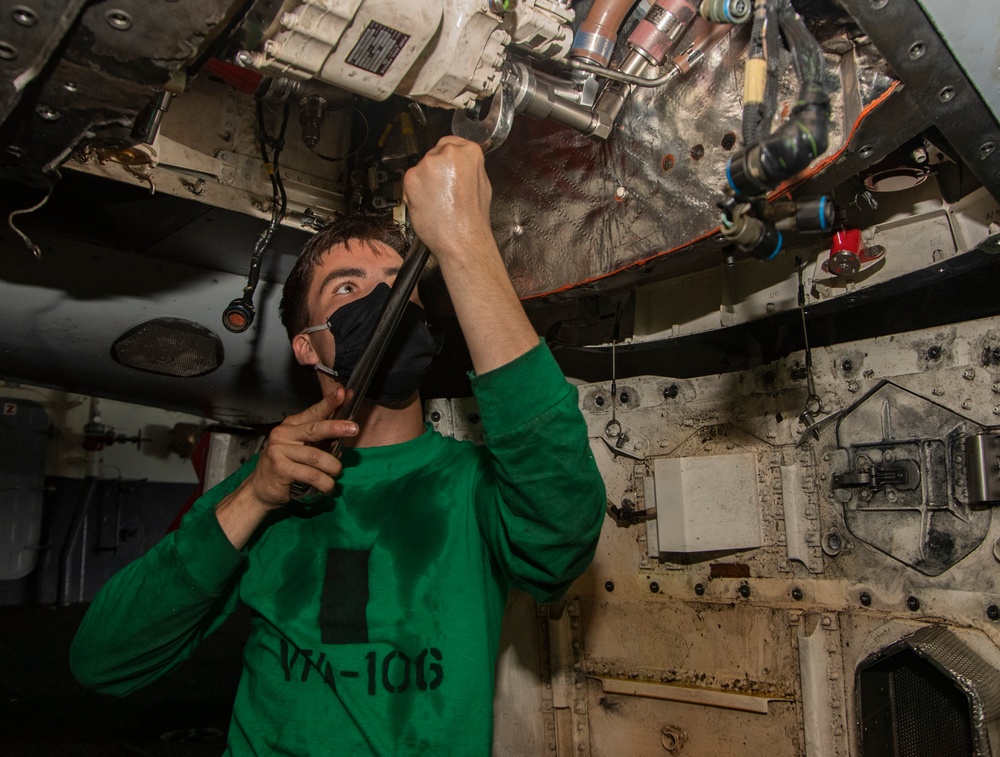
239	314
761	167
354	152
753	111
279	199
772	41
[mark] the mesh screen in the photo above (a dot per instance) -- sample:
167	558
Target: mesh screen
169	346
932	715
912	709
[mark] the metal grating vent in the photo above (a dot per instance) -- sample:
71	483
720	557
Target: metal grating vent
927	695
170	347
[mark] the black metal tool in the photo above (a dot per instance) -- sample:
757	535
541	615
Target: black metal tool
368	363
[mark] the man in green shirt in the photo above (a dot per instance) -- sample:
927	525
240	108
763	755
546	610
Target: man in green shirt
375	611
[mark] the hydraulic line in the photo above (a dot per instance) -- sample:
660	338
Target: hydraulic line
595	40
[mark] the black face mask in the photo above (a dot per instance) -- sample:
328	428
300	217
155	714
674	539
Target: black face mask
406	359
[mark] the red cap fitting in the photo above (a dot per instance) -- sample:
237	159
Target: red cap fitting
849	253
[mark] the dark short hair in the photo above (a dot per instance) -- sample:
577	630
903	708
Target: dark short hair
358	228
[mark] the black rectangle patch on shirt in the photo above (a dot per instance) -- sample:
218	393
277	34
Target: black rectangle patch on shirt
343	607
377	48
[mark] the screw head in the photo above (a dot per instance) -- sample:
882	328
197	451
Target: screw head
474	418
993	612
987	149
797	594
847	366
699	589
23	15
865	598
609	586
7	51
670	392
623	398
913	603
933	352
744	590
599	400
435	416
866	152
917	50
946	94
654	587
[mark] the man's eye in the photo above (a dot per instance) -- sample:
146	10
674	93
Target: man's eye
346	289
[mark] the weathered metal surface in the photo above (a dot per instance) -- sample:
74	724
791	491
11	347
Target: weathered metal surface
667	652
112	61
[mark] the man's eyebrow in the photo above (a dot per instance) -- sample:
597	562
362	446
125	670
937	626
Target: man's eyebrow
353	273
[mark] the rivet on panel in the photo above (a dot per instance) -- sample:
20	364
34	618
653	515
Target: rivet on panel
23	15
118	19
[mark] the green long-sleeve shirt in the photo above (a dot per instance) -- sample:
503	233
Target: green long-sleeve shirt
375	613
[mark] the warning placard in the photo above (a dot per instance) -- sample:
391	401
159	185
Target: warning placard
377	49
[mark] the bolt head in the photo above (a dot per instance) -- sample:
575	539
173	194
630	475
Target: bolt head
993	612
865	598
913	603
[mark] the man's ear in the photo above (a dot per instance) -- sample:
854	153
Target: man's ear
303	349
